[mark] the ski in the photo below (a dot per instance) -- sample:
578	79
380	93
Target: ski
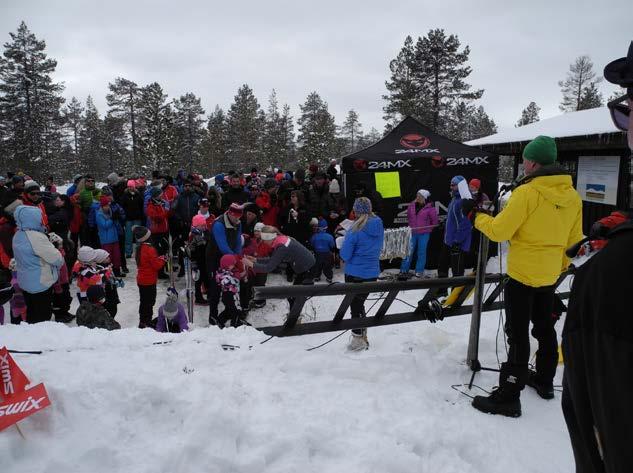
188	282
170	262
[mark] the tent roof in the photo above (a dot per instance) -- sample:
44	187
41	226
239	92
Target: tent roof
596	121
412	140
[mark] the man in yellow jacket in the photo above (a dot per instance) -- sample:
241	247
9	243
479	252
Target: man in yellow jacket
541	219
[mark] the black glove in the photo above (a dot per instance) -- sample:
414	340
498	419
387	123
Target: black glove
467	206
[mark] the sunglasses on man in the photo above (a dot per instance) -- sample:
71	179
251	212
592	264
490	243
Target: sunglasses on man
620	110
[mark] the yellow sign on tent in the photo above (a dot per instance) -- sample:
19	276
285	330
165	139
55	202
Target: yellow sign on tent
388	184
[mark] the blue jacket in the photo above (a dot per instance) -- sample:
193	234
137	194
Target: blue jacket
458	226
71	190
37	260
361	250
322	242
108	232
118	215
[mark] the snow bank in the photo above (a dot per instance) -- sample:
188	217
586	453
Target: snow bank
122	402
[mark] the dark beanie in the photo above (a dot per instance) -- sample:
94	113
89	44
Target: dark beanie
141	233
541	149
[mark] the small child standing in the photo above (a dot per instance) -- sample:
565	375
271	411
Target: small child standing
323	244
61	289
228	278
171	315
109	280
91	312
85	271
196	249
149	264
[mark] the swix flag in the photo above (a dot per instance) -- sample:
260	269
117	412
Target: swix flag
22	405
13	380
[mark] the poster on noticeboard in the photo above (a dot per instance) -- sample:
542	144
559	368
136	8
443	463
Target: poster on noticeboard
597	179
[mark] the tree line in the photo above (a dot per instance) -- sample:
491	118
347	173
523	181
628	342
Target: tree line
143	129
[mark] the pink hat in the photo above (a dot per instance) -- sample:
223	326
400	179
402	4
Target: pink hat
131	183
199	221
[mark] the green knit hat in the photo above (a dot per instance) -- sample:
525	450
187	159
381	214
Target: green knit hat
541	149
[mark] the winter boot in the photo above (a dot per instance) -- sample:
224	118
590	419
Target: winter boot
358	341
505	399
545	390
64	318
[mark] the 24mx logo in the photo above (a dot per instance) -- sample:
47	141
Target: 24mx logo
401	163
478	160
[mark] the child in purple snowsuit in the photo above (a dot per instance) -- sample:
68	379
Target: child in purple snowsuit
171	315
422	216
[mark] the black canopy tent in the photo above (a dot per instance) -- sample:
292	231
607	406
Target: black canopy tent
413	157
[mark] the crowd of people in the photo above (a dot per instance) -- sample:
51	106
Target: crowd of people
234	230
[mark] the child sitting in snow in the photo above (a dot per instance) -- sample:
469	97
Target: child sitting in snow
171	315
228	278
91	312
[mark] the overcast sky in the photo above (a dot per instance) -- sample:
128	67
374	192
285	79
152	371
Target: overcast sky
339	48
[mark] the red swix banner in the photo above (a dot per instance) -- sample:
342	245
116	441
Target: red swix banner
12	379
22	405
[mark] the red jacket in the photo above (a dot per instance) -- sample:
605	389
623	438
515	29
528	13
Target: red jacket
270	211
77	218
149	264
157	215
170	194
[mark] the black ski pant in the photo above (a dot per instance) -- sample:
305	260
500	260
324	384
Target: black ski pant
304	278
61	302
213	296
260	281
122	251
452	257
524	304
357	306
323	264
230	312
146	306
39	306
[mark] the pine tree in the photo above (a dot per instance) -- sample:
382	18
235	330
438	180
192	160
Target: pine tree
115	149
428	80
122	100
90	141
287	137
405	93
482	124
73	118
244	130
317	131
591	98
579	78
215	142
30	102
189	131
156	135
441	67
529	114
368	139
351	132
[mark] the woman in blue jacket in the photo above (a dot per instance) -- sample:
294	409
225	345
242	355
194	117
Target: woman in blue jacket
361	252
109	230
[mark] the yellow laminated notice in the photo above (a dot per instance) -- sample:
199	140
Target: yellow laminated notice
388	184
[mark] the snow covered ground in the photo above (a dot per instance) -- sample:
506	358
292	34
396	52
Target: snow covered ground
121	402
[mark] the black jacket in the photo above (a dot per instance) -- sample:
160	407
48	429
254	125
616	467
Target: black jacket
598	351
321	202
132	205
186	207
233	195
297	228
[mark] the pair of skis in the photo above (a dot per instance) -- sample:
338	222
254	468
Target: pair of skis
188	274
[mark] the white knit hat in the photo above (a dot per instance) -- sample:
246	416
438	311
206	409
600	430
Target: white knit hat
101	256
259	226
424	193
86	254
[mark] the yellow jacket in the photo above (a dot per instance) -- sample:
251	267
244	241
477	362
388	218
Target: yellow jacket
541	219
